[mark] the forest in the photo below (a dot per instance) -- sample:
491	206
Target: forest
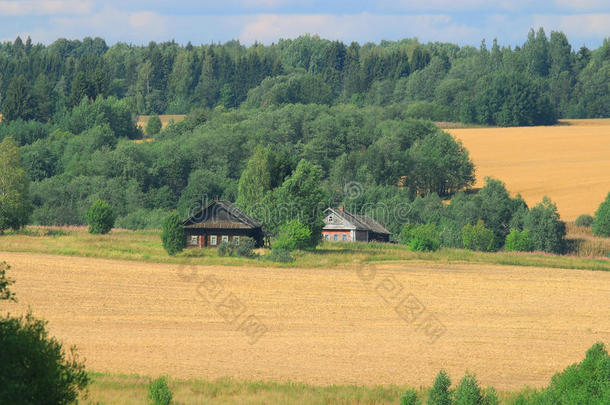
260	116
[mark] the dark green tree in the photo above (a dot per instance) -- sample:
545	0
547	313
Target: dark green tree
440	394
545	227
173	236
601	221
15	205
18	102
100	217
153	127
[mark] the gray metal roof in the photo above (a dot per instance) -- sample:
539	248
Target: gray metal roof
221	214
358	222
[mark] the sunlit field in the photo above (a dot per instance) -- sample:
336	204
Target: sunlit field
569	162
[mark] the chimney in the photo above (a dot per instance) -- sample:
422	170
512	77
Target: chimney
341	208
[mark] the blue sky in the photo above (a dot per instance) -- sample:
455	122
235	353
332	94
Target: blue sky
459	21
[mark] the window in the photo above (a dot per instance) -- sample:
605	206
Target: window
213	240
326	237
194	240
330	218
344	237
225	238
335	237
236	239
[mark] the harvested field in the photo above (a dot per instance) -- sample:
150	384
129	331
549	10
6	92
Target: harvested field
165	119
569	162
512	326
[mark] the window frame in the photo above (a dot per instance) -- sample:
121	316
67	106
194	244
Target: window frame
213	240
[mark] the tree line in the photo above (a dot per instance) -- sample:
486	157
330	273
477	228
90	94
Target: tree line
535	83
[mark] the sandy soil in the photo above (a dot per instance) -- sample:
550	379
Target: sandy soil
570	163
512	326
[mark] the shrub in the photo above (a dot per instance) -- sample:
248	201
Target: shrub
100	217
35	367
173	236
5	283
468	392
421	238
581	383
243	248
280	255
159	392
546	229
409	398
601	222
293	235
225	249
584	220
153	127
477	237
440	393
519	241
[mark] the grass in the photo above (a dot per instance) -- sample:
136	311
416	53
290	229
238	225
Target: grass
120	389
146	246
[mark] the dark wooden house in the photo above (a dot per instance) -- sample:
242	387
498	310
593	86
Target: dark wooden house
221	221
342	226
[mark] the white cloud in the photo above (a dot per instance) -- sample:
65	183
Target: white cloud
584	5
362	27
576	26
45	7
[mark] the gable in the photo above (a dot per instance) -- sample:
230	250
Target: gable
334	220
221	214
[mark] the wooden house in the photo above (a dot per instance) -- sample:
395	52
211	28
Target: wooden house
221	221
342	226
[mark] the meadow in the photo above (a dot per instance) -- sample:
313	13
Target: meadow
568	162
142	120
590	253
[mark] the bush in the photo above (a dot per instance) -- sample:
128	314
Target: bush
154	125
293	235
243	248
100	217
280	255
159	392
477	237
601	222
584	220
409	398
519	241
142	219
468	392
5	282
173	236
440	394
546	229
421	238
586	382
35	367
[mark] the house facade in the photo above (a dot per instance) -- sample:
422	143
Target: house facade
221	221
342	226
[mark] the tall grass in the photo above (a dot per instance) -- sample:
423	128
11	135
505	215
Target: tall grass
146	246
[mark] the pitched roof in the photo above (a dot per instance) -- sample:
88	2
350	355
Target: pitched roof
221	214
361	222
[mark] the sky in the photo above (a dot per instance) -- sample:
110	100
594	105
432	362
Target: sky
465	22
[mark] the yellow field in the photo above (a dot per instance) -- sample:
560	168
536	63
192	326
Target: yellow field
165	119
512	326
569	162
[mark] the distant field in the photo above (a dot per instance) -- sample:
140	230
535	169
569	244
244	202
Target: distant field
165	119
512	326
569	162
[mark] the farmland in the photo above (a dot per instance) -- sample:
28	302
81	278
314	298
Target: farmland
567	162
510	325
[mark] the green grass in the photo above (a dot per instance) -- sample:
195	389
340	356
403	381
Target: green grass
146	246
117	389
